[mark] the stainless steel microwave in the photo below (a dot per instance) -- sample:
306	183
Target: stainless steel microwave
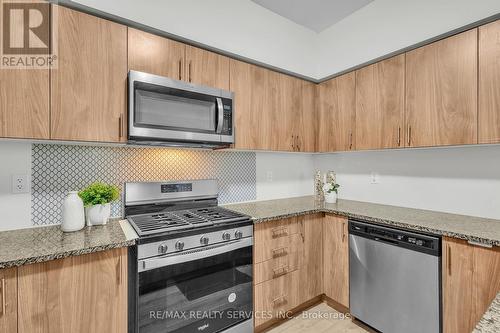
163	111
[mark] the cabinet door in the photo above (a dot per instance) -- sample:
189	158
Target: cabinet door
8	300
88	86
305	123
155	55
336	113
250	85
24	100
336	259
380	104
486	279
286	114
441	92
457	286
85	293
489	83
207	68
311	271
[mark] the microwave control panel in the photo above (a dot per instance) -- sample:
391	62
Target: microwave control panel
227	127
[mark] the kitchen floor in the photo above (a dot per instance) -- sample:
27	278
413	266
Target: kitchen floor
319	319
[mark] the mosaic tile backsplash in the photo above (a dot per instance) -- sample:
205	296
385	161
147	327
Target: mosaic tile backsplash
57	169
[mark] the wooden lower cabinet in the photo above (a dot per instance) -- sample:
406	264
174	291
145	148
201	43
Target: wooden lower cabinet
8	299
311	277
336	259
86	293
471	280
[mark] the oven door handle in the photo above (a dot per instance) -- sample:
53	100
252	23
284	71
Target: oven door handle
220	115
192	255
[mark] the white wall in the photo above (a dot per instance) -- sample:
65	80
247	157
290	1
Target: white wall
463	180
282	175
244	28
15	209
385	26
237	26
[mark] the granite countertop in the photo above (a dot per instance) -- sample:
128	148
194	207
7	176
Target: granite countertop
490	323
28	246
475	229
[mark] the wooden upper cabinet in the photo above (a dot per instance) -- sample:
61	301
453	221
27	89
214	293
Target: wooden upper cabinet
8	300
441	92
250	85
24	100
207	68
336	259
155	55
380	104
286	115
457	286
336	113
305	125
89	84
86	293
489	83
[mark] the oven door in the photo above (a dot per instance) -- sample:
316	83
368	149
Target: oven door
164	109
203	290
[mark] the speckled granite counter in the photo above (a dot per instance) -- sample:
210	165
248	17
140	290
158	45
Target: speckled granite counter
458	226
490	323
27	246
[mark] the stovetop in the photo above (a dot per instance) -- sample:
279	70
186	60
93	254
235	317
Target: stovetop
178	220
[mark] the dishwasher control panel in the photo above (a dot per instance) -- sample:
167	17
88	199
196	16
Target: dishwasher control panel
398	237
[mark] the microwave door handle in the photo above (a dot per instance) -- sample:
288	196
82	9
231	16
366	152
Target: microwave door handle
192	255
220	115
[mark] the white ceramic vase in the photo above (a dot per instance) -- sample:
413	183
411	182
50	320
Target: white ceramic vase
331	197
73	218
98	214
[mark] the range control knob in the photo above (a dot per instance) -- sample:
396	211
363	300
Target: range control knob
204	240
162	248
226	236
238	234
179	245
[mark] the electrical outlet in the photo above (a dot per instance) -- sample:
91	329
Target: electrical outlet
20	184
374	178
269	176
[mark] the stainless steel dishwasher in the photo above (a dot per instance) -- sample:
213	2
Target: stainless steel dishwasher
395	279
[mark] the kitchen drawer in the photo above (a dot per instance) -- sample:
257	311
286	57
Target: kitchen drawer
277	248
277	267
271	235
274	297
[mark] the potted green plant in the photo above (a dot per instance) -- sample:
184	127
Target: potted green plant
331	189
97	198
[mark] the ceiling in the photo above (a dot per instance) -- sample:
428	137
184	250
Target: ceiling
316	15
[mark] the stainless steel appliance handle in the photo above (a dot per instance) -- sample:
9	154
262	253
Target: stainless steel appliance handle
220	115
195	254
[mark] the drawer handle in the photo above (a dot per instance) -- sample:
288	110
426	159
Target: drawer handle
279	252
280	271
279	300
3	297
280	231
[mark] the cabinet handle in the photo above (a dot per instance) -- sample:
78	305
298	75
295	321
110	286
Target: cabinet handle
449	260
277	272
3	296
119	271
343	232
279	232
180	69
409	135
278	252
399	136
293	143
350	139
298	143
120	126
189	71
280	299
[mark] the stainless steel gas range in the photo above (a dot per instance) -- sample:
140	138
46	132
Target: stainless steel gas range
191	270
